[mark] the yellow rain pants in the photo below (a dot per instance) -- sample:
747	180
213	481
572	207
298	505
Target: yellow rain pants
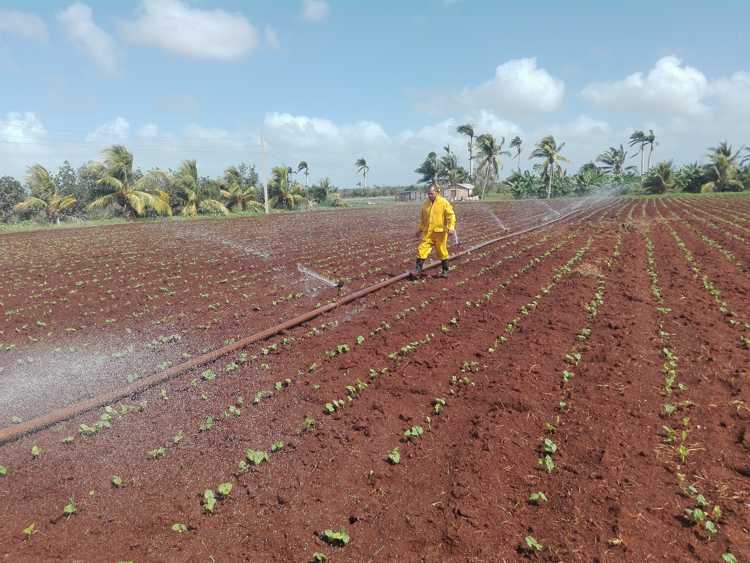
436	220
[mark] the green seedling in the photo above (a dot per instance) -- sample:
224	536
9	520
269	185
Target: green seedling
728	558
394	456
177	438
567	375
538	498
207	424
414	432
70	508
319	557
710	528
549	447
308	425
30	530
116	481
340	538
547	464
3	471
234	410
277	446
224	489
68	440
36	451
438	405
208	375
360	340
156	453
179	528
530	544
209	501
256	457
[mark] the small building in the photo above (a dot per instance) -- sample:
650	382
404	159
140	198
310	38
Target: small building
412	195
458	192
451	192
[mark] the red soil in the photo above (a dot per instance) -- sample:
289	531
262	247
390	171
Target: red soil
619	490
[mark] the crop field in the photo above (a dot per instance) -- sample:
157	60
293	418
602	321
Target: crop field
577	392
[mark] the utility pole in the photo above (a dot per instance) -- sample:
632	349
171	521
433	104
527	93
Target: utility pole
263	165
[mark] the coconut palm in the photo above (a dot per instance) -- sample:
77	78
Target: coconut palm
489	153
722	172
282	193
638	138
132	195
468	130
589	178
429	169
515	143
44	195
302	166
650	140
613	161
661	179
240	199
449	169
363	169
193	198
549	151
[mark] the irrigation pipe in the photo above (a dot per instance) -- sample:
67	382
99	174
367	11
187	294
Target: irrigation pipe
56	416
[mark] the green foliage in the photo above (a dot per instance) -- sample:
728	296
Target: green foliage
36	451
340	537
538	498
690	178
116	481
530	544
70	508
30	530
660	179
414	432
179	528
3	471
524	184
394	456
156	453
256	457
224	489
209	501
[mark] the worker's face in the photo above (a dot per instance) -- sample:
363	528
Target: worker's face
431	193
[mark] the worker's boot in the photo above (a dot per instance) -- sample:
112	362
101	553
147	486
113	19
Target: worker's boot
444	272
418	269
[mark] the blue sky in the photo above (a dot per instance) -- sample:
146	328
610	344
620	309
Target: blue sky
331	81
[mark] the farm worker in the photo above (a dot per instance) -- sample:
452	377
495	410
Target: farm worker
436	221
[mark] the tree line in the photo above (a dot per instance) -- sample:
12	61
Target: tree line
726	169
115	187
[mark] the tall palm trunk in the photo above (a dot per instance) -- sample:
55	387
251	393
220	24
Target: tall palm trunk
549	182
650	152
641	159
471	158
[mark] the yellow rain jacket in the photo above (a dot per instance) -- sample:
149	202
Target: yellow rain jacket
436	220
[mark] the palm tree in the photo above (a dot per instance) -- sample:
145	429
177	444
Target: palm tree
638	138
303	166
240	199
613	161
650	140
489	152
722	172
589	177
133	196
548	150
515	143
661	179
468	130
44	195
690	177
363	169
194	199
281	192
429	169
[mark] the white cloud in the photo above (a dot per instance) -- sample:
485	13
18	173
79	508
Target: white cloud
148	131
315	10
115	131
78	22
23	24
670	87
732	94
272	38
518	87
192	32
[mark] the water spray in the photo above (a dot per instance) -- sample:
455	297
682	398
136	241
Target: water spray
319	277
